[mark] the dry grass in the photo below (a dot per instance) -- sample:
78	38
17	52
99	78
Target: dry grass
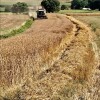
91	20
21	55
94	23
52	60
11	21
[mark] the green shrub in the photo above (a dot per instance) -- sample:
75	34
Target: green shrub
19	7
51	5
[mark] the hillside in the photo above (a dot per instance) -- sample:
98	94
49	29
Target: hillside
30	2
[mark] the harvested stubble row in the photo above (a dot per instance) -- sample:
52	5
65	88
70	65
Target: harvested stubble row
20	55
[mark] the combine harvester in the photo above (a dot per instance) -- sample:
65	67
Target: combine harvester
40	13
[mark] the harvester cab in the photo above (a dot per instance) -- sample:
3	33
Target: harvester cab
41	13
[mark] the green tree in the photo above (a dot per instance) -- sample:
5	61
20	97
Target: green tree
94	4
19	7
63	7
51	5
78	4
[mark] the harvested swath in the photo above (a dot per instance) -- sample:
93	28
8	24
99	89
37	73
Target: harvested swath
11	21
23	54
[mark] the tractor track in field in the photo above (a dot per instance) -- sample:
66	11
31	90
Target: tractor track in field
65	60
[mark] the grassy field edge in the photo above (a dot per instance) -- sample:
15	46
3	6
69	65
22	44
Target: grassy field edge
14	32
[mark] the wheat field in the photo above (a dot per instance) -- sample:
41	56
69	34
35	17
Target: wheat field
55	59
11	21
19	52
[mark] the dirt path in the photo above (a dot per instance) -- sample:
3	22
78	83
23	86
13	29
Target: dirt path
55	59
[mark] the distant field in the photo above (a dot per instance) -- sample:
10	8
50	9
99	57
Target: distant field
66	3
10	21
78	11
94	21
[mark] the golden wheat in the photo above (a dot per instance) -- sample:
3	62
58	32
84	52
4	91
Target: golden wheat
54	59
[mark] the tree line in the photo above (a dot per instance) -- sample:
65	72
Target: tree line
79	4
19	7
49	5
54	5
